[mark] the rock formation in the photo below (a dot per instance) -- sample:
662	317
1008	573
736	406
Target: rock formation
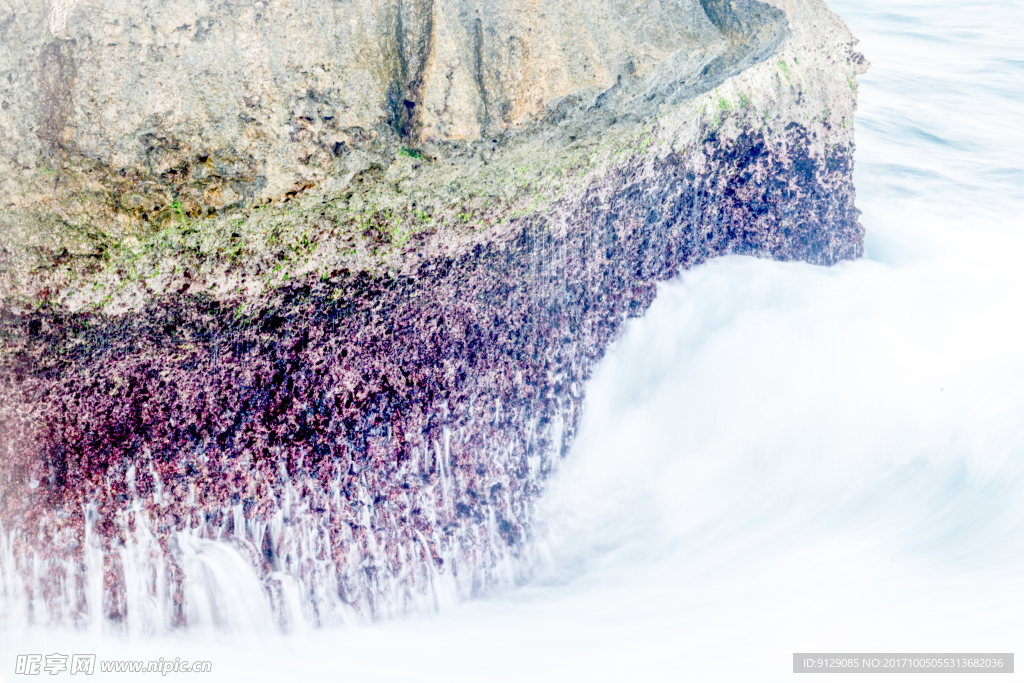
316	286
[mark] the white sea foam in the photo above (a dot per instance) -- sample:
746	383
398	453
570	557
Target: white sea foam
777	457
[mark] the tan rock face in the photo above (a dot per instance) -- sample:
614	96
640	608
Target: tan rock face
495	65
123	118
220	102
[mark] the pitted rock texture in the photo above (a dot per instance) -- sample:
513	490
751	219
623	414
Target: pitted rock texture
217	104
121	118
371	430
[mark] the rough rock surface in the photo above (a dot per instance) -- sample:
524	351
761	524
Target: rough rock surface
357	394
141	104
118	116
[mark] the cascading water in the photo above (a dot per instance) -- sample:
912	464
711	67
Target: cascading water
367	440
776	458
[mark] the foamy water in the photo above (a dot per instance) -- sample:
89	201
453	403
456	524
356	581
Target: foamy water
777	457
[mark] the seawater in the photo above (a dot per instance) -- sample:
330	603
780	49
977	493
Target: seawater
776	457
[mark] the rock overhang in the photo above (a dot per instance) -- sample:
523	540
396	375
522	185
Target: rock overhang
392	365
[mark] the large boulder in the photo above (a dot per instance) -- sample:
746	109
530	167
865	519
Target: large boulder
311	290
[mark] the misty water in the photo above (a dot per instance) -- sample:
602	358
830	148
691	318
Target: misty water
777	457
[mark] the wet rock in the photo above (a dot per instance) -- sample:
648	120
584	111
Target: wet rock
360	393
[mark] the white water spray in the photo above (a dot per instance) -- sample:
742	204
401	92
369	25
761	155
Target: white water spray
777	457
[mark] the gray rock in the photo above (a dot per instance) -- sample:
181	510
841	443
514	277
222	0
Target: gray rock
340	307
223	103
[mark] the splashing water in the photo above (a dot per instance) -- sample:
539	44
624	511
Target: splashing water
777	457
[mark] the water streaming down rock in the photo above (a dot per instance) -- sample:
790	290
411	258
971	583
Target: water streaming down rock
367	439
